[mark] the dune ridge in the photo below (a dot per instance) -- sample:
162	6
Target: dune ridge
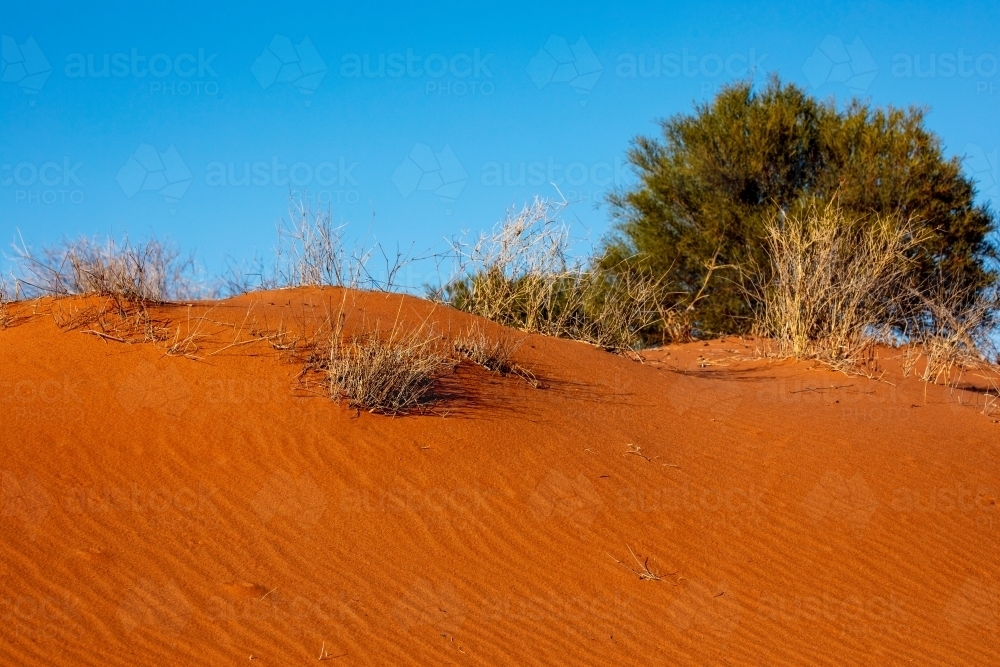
214	509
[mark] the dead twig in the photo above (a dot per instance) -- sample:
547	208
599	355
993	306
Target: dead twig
642	570
104	335
636	450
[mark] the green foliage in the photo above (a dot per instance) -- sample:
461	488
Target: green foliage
708	187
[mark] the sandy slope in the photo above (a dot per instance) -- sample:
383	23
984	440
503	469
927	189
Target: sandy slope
158	510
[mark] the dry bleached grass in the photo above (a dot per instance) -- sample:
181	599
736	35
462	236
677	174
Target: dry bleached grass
521	275
495	354
391	372
839	286
312	252
957	342
835	283
150	272
127	278
395	371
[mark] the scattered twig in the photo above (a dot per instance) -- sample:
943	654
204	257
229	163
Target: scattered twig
103	335
643	571
636	450
818	389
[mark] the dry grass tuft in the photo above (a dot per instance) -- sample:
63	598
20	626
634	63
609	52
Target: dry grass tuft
280	339
390	372
495	354
955	338
835	284
312	252
111	319
147	273
840	286
521	275
189	344
127	278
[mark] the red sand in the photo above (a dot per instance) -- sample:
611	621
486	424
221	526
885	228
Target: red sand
159	510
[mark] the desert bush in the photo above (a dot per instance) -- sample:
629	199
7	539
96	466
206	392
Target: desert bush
521	275
386	372
707	187
834	283
129	277
149	272
837	283
956	337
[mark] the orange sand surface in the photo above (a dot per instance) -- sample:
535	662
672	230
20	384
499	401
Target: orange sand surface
214	509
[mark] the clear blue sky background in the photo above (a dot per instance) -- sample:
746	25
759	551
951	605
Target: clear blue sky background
420	150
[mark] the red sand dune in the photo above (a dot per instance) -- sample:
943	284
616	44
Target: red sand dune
162	510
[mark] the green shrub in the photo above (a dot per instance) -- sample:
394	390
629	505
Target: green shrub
706	190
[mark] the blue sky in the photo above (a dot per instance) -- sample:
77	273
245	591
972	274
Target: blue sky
415	122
